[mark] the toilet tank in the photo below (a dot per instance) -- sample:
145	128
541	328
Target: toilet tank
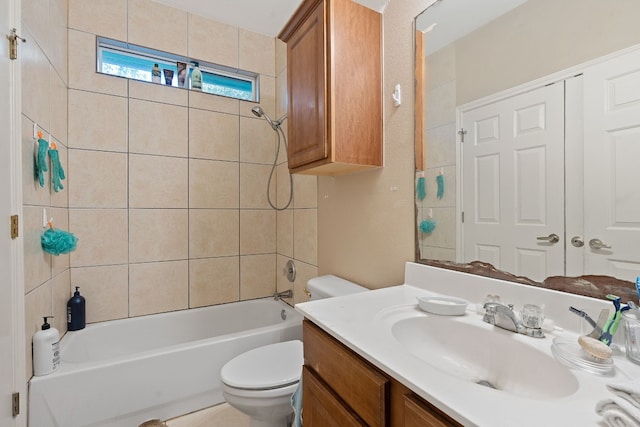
331	286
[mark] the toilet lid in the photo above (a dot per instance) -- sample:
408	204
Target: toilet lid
272	366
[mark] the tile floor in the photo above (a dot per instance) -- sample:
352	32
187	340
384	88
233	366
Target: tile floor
221	415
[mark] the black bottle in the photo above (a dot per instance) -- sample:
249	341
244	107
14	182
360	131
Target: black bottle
76	312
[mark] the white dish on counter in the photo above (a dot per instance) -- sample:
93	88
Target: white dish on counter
447	306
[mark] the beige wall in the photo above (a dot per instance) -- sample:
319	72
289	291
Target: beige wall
366	221
44	103
544	36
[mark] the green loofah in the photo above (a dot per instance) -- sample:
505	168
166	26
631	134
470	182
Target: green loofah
41	160
58	242
427	226
421	190
440	181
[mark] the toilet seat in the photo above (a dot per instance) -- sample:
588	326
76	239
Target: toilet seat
270	367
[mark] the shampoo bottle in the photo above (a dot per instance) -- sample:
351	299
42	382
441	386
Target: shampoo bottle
76	311
196	77
156	74
46	352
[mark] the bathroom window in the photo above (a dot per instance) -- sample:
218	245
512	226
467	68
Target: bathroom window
136	62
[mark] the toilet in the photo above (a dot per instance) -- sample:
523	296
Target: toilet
261	381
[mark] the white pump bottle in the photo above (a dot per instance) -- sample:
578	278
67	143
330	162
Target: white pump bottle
46	349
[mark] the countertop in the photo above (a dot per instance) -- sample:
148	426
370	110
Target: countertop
360	321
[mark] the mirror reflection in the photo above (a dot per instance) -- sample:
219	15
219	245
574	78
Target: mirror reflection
528	135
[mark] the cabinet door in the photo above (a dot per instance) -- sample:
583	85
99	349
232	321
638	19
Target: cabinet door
417	414
321	407
306	81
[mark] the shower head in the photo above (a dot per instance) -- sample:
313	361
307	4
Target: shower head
259	112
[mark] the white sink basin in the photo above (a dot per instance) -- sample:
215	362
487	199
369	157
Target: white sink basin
471	350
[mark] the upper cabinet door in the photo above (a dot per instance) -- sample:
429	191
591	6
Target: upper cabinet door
306	85
334	74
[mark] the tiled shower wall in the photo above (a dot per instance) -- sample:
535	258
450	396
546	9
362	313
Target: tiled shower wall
44	103
166	188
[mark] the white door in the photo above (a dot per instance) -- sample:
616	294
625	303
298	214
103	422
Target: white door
11	314
513	183
612	166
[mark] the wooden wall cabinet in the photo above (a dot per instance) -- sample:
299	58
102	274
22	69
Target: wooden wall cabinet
334	86
341	389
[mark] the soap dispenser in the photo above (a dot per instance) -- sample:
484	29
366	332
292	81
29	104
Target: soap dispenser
46	349
156	74
196	77
76	311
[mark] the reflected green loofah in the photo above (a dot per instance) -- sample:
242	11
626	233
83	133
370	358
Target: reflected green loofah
421	190
427	226
58	242
440	182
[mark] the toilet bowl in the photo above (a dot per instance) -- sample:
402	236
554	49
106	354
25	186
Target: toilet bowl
261	382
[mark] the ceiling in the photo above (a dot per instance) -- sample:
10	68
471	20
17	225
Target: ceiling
266	17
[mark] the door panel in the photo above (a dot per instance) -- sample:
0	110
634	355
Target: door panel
612	173
513	175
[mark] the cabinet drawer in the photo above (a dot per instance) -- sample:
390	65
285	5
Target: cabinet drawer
418	413
358	384
322	407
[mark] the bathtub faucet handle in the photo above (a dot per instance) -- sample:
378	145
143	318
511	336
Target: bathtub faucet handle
284	294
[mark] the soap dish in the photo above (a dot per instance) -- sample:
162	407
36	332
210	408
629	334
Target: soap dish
447	306
572	355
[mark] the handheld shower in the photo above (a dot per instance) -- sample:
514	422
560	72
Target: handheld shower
259	112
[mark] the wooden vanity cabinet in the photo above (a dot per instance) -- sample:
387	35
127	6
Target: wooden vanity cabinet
334	86
341	389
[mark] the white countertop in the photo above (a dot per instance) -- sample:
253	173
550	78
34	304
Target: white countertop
358	322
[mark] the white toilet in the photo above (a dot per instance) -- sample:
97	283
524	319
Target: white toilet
261	381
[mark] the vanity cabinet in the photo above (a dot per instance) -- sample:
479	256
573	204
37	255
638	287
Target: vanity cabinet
342	389
334	86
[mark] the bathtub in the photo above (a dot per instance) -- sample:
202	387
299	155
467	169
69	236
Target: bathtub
124	372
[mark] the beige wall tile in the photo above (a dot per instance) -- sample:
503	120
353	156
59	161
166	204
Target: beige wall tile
282	283
36	98
158	182
257	276
305	232
61	198
214	281
267	98
36	18
440	146
213	41
282	98
58	51
285	184
257	53
82	67
156	128
102	236
107	18
281	56
213	135
305	190
106	290
440	105
91	128
97	179
257	141
158	287
37	305
161	27
37	262
285	232
213	184
206	101
60	293
441	67
444	236
257	231
158	234
304	272
59	110
32	193
213	232
253	186
158	93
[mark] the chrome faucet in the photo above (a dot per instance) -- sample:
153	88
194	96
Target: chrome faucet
504	317
284	294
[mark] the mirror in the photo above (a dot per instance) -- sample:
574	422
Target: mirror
470	54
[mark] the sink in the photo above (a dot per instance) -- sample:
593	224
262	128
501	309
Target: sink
471	350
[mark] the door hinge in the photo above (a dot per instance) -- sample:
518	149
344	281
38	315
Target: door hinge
15	404
13	43
14	226
462	133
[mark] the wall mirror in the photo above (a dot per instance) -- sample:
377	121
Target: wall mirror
527	134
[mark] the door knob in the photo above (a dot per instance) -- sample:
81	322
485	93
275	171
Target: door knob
597	244
577	241
551	238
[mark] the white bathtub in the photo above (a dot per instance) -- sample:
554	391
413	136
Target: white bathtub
123	372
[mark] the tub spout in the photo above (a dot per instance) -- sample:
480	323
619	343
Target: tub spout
284	294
